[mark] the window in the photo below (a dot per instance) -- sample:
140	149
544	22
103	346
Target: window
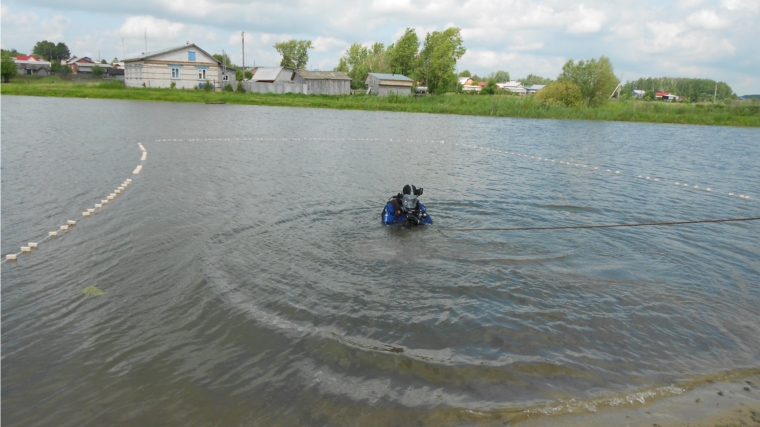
175	73
190	55
202	74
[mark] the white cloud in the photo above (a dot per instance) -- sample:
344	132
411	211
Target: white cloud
328	44
137	26
751	5
588	21
688	4
707	19
527	47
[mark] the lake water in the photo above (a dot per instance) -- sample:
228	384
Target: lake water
248	280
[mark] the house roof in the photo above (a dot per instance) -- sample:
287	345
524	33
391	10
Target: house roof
481	84
267	74
536	87
323	75
513	84
27	58
84	60
662	93
382	76
170	49
463	80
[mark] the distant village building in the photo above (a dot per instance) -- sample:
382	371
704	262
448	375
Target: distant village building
187	66
79	64
531	90
514	87
466	81
383	84
115	74
638	93
31	65
666	96
324	82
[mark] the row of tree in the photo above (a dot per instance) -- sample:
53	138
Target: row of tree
697	90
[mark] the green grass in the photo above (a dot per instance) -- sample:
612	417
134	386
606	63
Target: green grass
737	114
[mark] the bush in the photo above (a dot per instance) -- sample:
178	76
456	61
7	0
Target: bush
240	88
248	75
490	88
98	71
207	86
172	85
228	88
562	92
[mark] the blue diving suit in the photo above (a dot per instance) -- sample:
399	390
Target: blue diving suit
406	209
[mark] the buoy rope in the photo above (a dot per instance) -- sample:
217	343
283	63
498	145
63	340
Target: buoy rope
571	227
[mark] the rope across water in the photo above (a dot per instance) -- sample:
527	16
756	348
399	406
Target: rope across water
571	227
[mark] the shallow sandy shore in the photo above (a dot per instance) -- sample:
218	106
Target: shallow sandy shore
735	403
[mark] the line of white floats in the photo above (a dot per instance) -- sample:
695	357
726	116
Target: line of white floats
88	212
562	162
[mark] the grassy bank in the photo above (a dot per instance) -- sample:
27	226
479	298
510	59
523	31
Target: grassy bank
738	114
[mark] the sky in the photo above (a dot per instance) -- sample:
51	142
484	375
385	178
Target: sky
715	39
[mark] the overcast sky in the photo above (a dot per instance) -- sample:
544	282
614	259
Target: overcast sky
716	39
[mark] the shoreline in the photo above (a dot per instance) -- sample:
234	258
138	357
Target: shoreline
743	114
713	404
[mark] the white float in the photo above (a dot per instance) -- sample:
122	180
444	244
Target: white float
33	245
53	233
26	249
72	222
10	257
64	227
85	214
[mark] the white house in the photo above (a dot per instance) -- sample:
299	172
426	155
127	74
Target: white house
186	66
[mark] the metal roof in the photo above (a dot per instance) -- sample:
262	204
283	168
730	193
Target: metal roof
323	75
266	74
382	76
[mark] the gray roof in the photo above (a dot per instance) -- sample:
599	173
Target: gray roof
323	75
167	50
536	87
382	76
267	74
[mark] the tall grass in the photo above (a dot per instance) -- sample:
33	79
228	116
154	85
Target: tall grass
746	114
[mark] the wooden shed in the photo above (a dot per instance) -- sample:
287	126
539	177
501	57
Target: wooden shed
383	84
324	82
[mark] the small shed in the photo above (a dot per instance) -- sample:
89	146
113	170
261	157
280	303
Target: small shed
324	82
384	84
273	75
514	87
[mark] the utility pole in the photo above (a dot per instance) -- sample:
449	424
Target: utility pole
123	49
146	42
242	34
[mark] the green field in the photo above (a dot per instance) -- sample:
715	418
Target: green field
738	113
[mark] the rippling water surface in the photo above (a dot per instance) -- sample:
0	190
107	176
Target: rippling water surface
248	279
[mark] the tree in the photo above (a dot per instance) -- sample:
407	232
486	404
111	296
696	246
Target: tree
595	78
103	61
224	59
403	53
51	51
295	53
248	75
438	59
534	80
465	73
499	76
490	88
7	66
97	71
562	92
354	63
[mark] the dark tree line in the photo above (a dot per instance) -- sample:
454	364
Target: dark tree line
697	90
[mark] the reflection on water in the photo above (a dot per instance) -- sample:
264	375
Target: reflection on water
248	279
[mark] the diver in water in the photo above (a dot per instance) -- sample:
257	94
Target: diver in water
404	208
